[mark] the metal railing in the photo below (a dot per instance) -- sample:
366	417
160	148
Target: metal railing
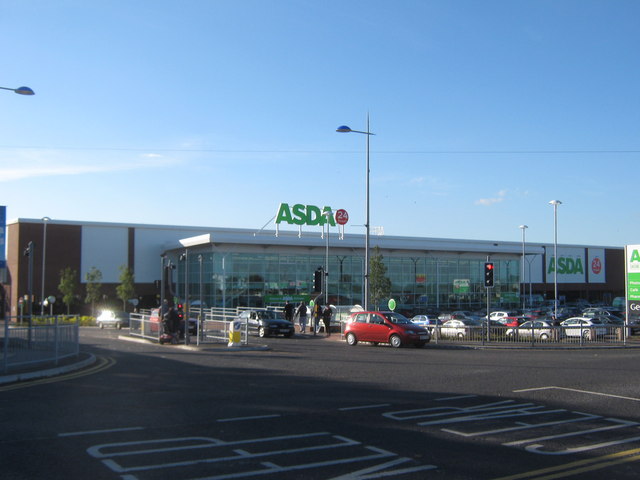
44	340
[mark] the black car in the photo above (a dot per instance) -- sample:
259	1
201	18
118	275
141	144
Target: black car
266	322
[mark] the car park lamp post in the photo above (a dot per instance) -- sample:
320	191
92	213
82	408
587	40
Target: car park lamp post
20	90
345	129
555	204
523	288
325	285
44	256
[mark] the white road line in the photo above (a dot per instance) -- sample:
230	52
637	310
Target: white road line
362	407
578	391
242	419
98	432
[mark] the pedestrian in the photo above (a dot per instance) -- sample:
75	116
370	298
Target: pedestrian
288	311
302	316
326	319
556	327
317	314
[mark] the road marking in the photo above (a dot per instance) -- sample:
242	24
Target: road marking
242	419
580	466
102	363
363	407
633	399
98	432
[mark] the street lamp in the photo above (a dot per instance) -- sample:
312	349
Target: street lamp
345	129
523	288
20	90
327	214
555	204
44	257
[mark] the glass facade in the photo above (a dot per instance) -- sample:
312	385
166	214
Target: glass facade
418	283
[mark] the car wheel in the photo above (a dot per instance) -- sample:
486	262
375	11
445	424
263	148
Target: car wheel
395	341
118	326
544	336
351	339
101	325
460	335
262	332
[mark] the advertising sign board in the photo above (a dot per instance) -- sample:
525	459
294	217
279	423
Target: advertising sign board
632	269
570	266
596	266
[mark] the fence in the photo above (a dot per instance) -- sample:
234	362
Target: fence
537	336
50	340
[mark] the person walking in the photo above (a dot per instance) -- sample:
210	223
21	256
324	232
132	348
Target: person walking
326	319
288	311
317	314
302	316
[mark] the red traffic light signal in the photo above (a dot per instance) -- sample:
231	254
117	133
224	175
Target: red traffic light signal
488	274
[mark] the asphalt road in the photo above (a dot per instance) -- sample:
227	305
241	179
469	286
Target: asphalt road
314	408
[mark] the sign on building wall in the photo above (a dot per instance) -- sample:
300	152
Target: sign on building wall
570	266
3	236
596	266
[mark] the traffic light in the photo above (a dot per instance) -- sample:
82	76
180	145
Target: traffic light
317	280
488	274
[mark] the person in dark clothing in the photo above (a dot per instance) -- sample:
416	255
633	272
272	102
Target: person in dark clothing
288	311
326	319
317	314
171	321
302	315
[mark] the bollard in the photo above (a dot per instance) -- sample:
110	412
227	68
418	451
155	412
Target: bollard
235	336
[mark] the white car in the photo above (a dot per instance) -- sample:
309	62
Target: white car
457	328
587	328
537	329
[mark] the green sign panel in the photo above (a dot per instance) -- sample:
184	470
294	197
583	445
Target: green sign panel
632	254
461	285
304	215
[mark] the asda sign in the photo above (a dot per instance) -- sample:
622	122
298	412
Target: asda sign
309	215
569	266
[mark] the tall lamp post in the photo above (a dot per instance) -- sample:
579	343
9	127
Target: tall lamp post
44	258
345	129
523	288
20	90
555	204
328	214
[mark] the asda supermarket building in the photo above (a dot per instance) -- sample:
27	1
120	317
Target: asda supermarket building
242	267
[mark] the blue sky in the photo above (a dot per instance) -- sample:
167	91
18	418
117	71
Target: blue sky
211	113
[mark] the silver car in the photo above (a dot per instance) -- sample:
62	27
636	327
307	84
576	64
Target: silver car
109	318
536	329
587	328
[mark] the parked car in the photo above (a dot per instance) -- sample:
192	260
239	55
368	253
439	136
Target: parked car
266	322
110	318
587	328
458	328
385	327
426	321
536	329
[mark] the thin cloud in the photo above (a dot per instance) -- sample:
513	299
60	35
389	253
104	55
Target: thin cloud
33	166
491	201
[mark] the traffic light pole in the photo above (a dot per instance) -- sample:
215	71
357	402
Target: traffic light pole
488	304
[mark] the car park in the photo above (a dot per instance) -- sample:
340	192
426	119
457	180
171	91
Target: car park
585	327
426	321
531	329
385	327
110	318
458	328
264	323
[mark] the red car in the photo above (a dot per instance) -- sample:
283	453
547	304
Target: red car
384	327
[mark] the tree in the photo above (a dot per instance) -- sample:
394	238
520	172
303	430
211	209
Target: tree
94	279
125	290
68	286
379	284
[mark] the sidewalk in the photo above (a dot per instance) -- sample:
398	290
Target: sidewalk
35	372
